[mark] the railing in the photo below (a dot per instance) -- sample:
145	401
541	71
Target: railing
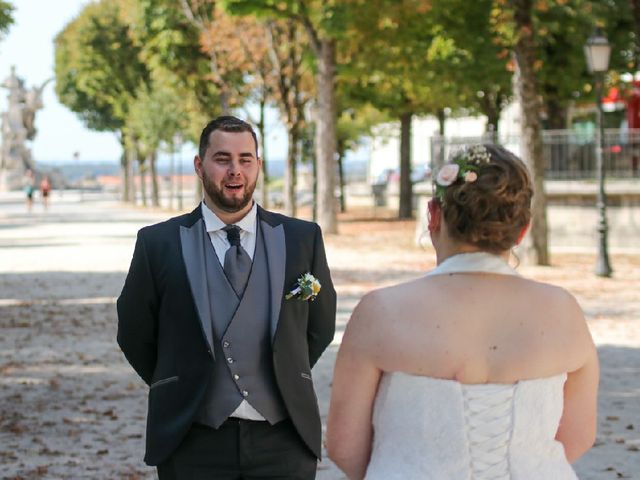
569	154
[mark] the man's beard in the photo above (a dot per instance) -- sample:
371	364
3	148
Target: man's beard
229	205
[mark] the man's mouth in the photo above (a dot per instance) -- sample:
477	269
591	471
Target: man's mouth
234	186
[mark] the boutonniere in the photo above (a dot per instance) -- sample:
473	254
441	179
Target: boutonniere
307	288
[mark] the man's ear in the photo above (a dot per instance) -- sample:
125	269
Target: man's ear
434	215
197	165
522	233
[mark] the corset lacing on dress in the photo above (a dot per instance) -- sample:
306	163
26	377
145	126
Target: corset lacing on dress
488	414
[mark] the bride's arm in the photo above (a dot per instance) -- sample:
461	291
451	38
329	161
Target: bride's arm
355	383
578	424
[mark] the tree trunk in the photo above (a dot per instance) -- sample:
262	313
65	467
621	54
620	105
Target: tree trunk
143	182
491	109
438	153
263	147
405	209
635	8
556	115
557	120
155	194
125	193
326	136
531	126
314	167
125	164
290	180
130	174
343	201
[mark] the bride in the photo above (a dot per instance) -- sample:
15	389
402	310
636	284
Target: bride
472	371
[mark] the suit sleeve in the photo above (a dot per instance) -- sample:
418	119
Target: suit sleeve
137	314
322	311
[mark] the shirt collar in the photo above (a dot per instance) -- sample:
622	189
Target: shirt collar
213	223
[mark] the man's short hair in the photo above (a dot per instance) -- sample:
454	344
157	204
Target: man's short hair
226	123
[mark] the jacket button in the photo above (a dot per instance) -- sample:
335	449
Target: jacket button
236	376
245	393
226	344
230	360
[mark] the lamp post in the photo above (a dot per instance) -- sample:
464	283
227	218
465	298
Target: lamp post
597	51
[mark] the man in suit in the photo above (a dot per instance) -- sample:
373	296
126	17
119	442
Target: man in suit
203	319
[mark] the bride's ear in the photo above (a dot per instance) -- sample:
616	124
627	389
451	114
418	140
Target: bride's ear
522	233
434	215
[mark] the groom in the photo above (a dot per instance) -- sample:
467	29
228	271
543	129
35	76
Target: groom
203	319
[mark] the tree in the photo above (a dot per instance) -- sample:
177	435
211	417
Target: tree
155	117
469	58
6	16
171	50
322	22
98	71
240	46
287	48
524	47
355	122
221	40
392	59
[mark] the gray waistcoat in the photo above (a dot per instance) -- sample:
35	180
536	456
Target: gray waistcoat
243	367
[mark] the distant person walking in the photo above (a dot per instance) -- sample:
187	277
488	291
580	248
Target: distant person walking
29	188
45	190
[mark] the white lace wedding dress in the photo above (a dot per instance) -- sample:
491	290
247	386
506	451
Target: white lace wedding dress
429	428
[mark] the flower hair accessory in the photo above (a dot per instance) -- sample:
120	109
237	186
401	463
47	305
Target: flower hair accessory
307	288
464	165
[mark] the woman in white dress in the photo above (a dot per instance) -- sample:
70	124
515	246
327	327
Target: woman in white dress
472	371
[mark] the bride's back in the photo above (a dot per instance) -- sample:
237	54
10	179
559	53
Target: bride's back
471	371
476	328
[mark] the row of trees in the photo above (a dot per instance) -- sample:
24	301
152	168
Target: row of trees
151	69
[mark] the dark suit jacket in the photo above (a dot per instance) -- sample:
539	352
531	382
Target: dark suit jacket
165	331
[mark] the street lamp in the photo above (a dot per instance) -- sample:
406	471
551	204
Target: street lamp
597	51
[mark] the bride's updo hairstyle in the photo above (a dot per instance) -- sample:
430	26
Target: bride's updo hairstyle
486	199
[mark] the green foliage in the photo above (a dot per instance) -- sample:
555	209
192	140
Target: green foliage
561	31
356	123
327	17
155	117
98	67
6	16
170	48
392	57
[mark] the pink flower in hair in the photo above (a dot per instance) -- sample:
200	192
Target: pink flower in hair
448	174
470	176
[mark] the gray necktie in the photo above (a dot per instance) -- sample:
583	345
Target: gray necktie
237	263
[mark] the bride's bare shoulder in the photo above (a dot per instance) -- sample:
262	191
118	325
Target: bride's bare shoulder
378	306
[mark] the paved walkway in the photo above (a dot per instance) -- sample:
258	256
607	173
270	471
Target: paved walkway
70	406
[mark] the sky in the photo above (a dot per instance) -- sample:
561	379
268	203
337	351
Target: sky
29	46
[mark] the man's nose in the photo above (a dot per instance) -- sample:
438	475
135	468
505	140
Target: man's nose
234	168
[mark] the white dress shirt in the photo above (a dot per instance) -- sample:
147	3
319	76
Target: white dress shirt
248	229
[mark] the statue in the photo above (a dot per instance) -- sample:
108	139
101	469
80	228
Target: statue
18	127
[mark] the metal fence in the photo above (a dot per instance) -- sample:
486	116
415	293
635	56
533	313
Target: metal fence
569	154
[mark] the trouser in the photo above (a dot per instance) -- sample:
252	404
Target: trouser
241	449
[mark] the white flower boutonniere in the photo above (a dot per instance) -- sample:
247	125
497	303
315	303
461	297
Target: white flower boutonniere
307	288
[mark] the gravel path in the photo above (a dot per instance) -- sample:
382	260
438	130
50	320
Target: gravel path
71	408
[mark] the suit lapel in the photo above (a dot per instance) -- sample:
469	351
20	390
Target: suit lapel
275	248
192	242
